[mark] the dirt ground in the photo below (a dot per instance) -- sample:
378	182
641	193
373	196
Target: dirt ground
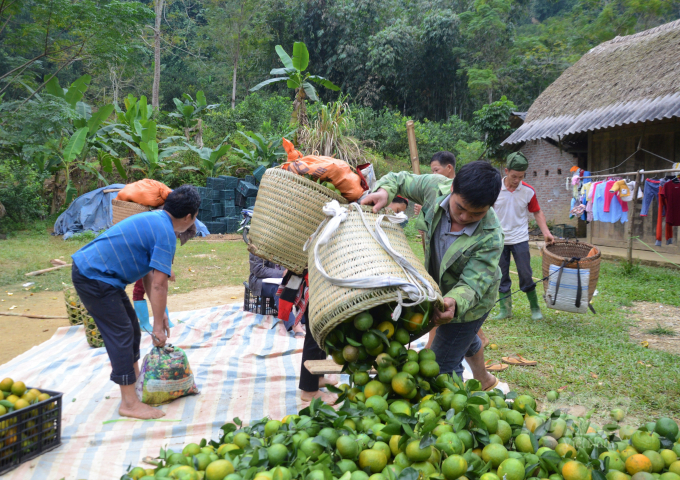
20	334
649	316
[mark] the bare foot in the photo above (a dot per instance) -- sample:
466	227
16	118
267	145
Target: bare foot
140	410
328	398
331	380
482	337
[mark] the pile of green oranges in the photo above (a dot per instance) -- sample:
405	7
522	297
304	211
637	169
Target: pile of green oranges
22	431
379	430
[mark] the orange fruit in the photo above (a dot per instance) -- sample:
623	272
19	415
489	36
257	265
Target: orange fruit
414	323
638	463
576	471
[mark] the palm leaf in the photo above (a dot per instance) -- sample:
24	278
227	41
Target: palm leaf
267	82
285	59
310	91
300	56
323	81
75	144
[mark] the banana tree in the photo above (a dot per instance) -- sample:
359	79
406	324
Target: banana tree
293	73
261	151
188	115
210	165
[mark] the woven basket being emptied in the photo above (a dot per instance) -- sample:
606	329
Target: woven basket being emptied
288	209
78	315
563	251
353	253
122	210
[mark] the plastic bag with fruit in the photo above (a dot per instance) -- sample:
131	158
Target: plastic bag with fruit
165	375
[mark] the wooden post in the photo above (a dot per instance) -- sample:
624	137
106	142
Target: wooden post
413	148
631	219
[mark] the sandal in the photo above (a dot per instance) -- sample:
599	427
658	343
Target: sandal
519	360
495	367
493	386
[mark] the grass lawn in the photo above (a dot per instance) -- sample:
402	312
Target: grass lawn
198	264
590	356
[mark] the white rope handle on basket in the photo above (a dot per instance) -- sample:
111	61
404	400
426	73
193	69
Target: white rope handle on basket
415	287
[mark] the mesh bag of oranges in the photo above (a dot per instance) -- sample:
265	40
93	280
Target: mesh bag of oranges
165	375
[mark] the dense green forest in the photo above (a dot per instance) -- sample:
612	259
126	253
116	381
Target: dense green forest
97	91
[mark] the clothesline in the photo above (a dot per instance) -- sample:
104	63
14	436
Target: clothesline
630	174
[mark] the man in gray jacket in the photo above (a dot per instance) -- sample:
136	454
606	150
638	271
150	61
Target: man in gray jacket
259	270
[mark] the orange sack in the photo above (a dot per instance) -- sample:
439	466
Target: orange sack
151	193
328	169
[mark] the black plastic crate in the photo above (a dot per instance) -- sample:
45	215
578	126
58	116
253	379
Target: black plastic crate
227	194
231	182
216	183
206	203
228	204
216	194
204	192
256	304
30	432
230	211
564	231
249	179
217	210
240	200
250	202
216	227
205	215
259	173
247	189
233	224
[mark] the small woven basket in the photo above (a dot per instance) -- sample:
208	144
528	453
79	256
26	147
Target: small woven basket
563	251
288	209
94	338
122	210
78	315
353	253
74	309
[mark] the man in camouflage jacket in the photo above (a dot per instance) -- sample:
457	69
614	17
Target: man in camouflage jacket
463	245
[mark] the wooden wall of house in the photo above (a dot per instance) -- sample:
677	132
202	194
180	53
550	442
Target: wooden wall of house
607	149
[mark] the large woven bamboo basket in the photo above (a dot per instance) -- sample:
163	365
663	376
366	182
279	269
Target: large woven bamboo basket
122	210
288	209
563	251
353	253
78	315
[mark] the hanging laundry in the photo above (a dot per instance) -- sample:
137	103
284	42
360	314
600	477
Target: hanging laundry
669	197
650	193
615	213
609	195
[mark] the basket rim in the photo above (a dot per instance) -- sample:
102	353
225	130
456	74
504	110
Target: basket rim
306	182
554	256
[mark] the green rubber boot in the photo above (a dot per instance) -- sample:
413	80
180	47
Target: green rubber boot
506	308
535	309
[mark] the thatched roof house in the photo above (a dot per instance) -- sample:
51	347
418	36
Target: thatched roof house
623	81
615	111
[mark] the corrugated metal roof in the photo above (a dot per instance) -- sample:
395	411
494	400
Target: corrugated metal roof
618	114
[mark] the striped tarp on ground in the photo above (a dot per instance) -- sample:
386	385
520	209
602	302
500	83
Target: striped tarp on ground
245	365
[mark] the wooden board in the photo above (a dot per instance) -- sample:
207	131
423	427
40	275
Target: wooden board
326	367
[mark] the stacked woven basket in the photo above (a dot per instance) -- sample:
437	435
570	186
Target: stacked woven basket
288	210
78	315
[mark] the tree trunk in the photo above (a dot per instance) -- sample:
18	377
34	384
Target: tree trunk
236	59
158	8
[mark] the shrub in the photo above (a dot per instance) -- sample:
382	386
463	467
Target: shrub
21	188
250	114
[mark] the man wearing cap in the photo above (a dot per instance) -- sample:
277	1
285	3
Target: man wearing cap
516	200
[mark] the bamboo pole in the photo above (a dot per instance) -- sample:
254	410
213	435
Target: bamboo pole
40	272
27	315
631	222
413	148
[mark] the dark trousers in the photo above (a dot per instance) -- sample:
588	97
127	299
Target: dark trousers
455	341
117	322
310	351
520	252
